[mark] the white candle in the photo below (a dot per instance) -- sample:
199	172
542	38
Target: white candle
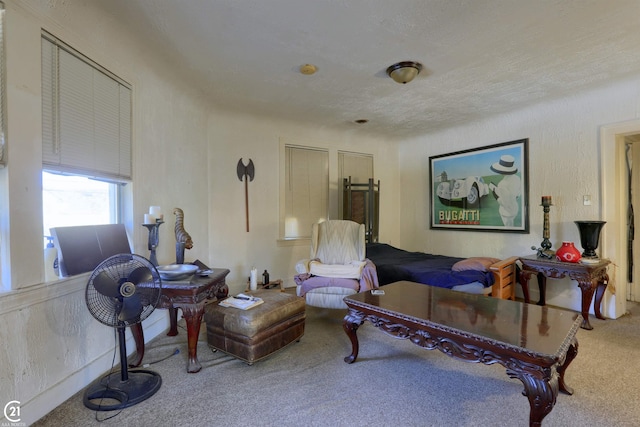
156	212
149	219
253	279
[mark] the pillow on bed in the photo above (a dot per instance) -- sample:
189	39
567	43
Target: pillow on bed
474	263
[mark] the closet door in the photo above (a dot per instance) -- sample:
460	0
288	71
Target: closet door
358	166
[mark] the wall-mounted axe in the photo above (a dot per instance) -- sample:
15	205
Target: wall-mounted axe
246	174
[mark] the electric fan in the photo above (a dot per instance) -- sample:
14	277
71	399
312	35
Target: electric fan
123	290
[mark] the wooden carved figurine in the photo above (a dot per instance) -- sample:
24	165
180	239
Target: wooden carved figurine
183	239
181	234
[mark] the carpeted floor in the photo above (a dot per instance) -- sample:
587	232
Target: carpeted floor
392	383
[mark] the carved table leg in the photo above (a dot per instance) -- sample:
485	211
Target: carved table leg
138	337
173	321
572	352
350	324
524	277
542	397
192	314
542	394
597	302
542	287
587	296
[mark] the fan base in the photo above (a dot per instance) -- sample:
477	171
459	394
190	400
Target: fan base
140	385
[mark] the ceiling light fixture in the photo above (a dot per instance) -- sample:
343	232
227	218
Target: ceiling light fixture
404	72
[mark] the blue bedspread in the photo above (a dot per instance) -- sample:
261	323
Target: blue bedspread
393	264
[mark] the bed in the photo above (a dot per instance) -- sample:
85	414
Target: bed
475	275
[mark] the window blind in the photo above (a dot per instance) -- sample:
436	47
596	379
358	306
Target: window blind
307	190
86	116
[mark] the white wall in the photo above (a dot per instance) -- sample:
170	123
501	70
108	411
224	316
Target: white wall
565	161
185	155
233	137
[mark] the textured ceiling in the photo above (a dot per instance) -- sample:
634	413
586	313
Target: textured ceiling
480	57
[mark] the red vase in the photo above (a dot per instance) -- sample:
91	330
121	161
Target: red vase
568	253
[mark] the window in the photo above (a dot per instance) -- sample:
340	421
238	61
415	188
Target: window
75	200
306	190
86	139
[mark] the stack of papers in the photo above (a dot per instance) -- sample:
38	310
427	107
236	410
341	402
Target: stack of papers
241	301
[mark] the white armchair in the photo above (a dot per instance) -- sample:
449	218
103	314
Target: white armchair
337	265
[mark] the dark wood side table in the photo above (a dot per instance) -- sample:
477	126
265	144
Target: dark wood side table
189	296
592	279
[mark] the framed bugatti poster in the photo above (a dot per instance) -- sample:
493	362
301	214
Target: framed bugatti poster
484	188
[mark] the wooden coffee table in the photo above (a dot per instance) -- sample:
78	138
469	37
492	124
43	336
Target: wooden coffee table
535	344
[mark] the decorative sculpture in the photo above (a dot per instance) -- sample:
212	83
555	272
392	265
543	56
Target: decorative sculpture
183	239
540	253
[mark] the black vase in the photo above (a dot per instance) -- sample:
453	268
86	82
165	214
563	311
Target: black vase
590	236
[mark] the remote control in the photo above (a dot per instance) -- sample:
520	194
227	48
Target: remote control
377	292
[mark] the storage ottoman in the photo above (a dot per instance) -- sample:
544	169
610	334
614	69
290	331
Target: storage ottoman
256	333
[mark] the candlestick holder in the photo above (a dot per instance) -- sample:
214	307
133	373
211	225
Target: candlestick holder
546	243
154	240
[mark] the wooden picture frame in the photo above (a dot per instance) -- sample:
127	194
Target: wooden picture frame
481	189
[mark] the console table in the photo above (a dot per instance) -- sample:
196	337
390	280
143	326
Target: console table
535	344
190	296
592	279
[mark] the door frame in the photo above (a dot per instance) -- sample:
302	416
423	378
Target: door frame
633	287
613	205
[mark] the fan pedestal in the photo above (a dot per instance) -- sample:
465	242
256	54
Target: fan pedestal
126	390
140	385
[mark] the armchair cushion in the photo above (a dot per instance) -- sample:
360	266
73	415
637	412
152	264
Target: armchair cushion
308	283
353	270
